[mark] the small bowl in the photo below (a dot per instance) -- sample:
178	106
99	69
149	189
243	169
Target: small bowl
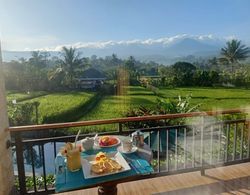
87	143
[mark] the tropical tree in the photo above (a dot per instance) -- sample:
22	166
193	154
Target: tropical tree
234	52
70	65
130	66
183	73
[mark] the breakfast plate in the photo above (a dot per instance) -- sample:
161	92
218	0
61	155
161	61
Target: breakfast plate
107	141
89	161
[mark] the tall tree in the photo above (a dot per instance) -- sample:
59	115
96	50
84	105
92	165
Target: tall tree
234	52
71	64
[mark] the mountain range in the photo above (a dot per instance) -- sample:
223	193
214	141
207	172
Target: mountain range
163	50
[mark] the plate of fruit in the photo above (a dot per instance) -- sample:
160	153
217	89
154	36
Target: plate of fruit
108	141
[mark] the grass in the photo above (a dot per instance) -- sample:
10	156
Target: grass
58	104
19	97
211	98
117	106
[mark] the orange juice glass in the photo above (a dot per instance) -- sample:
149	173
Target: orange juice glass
74	159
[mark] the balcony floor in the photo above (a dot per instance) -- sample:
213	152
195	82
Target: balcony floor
233	179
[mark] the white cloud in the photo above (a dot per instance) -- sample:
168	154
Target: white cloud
37	43
228	38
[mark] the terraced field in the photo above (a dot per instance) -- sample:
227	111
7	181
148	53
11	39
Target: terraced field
62	107
77	106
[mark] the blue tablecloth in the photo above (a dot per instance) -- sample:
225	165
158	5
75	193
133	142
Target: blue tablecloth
67	180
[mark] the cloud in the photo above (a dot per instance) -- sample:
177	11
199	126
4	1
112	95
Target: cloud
228	38
37	43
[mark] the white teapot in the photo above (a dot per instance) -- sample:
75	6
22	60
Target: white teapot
88	143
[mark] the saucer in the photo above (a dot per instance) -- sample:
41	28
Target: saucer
134	149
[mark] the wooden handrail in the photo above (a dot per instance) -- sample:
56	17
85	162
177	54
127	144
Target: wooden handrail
122	120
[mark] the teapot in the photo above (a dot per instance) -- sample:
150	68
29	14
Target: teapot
138	138
88	143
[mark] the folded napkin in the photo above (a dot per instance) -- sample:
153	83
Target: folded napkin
140	165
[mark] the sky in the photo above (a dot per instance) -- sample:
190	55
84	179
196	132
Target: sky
33	24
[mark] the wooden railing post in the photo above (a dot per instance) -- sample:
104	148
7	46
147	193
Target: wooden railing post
20	162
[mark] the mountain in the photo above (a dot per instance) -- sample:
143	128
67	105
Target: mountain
164	50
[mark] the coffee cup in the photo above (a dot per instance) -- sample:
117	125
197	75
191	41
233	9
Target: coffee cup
127	146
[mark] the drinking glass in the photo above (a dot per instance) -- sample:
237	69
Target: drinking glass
74	159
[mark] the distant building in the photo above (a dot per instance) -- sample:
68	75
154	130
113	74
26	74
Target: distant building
91	79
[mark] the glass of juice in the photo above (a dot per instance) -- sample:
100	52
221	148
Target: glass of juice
74	159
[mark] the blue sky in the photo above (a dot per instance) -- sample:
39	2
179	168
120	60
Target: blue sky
46	23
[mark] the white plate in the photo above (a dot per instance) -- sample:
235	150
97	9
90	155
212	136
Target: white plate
119	141
134	149
89	160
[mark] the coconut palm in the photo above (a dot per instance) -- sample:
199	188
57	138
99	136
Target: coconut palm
234	52
70	63
68	67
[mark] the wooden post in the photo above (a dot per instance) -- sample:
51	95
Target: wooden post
6	168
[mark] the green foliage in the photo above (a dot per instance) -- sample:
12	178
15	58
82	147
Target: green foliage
131	68
23	96
182	105
70	67
162	106
234	52
63	107
22	113
50	181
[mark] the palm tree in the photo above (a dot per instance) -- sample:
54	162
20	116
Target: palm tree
71	63
234	52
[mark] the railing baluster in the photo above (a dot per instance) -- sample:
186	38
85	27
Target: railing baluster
44	169
227	141
185	146
33	166
211	145
219	140
54	149
120	127
158	151
248	148
149	139
241	142
176	149
202	147
193	151
167	159
20	162
234	143
54	143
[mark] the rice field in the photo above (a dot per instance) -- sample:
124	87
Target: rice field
71	106
211	98
56	106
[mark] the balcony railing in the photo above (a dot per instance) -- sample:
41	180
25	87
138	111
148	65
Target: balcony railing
203	140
